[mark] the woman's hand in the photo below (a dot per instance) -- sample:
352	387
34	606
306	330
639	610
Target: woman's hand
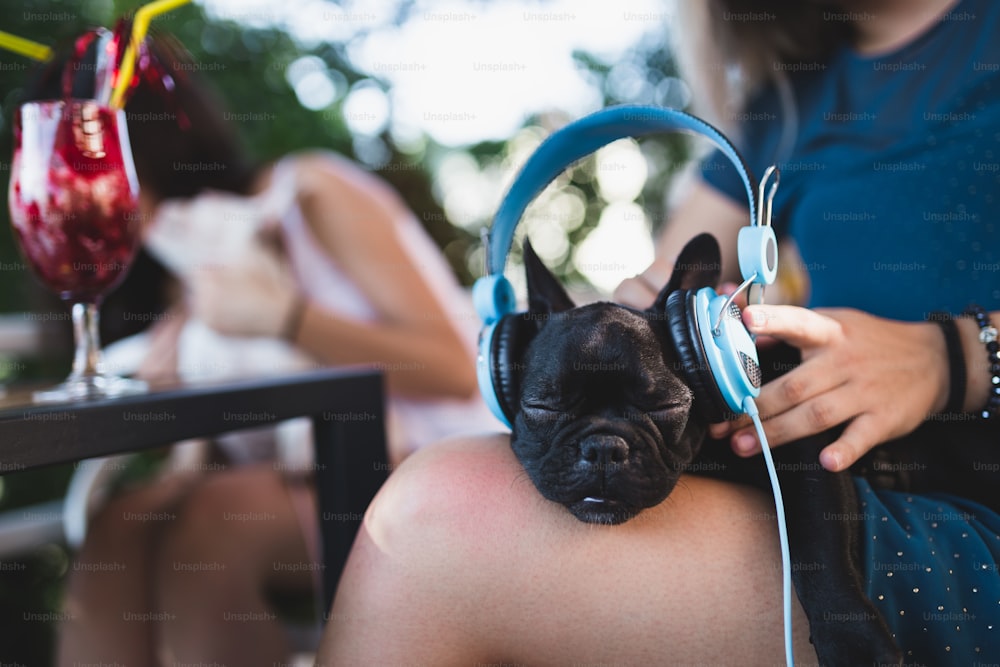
252	298
882	376
636	292
160	362
640	292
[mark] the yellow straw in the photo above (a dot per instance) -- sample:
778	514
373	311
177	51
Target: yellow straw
25	47
140	24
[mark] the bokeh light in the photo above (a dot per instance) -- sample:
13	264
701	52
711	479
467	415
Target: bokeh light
617	248
366	108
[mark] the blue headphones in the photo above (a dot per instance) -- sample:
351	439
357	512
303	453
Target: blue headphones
716	350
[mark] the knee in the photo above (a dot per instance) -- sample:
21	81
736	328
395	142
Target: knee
458	495
215	518
110	527
121	526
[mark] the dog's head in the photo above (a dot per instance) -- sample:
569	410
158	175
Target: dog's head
605	424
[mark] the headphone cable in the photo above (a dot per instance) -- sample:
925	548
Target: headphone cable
750	407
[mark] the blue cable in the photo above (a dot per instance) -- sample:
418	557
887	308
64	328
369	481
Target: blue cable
750	407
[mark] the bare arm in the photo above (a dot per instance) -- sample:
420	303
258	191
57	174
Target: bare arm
355	219
703	210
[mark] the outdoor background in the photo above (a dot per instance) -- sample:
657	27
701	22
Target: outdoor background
443	99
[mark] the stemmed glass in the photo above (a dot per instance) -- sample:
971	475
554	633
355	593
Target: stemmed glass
74	209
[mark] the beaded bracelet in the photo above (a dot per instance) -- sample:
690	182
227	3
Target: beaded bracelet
956	361
988	336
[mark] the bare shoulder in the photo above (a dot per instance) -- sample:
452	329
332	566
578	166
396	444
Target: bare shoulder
320	173
462	466
335	193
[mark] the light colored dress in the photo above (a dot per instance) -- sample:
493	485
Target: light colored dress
224	229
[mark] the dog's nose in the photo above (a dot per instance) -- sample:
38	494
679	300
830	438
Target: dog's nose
603	449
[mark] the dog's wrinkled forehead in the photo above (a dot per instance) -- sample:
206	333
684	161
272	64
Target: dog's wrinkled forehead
606	332
596	329
604	340
594	323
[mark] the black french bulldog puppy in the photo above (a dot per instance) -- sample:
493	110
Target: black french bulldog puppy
607	424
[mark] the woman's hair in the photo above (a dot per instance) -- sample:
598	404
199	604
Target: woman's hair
727	49
181	143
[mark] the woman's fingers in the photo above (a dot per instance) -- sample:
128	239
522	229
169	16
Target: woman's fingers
808	382
796	326
860	435
824	409
636	292
863	433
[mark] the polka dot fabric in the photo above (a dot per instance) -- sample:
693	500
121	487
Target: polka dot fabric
931	569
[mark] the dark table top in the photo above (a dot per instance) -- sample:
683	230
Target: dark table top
37	435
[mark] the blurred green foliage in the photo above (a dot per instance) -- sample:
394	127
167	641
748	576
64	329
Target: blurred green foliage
248	65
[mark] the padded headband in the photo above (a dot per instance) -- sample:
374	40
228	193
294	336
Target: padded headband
581	138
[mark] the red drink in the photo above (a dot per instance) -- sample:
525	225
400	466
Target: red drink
73	196
73	205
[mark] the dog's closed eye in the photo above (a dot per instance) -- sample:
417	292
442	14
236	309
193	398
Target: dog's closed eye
667	411
663	405
538	411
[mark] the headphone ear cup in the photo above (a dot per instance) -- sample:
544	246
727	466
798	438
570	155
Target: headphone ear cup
510	340
683	321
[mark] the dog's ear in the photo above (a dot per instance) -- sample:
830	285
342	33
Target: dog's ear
545	294
699	265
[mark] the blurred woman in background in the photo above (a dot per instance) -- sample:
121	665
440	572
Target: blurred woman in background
327	262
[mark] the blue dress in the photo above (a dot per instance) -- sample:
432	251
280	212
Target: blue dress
891	190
